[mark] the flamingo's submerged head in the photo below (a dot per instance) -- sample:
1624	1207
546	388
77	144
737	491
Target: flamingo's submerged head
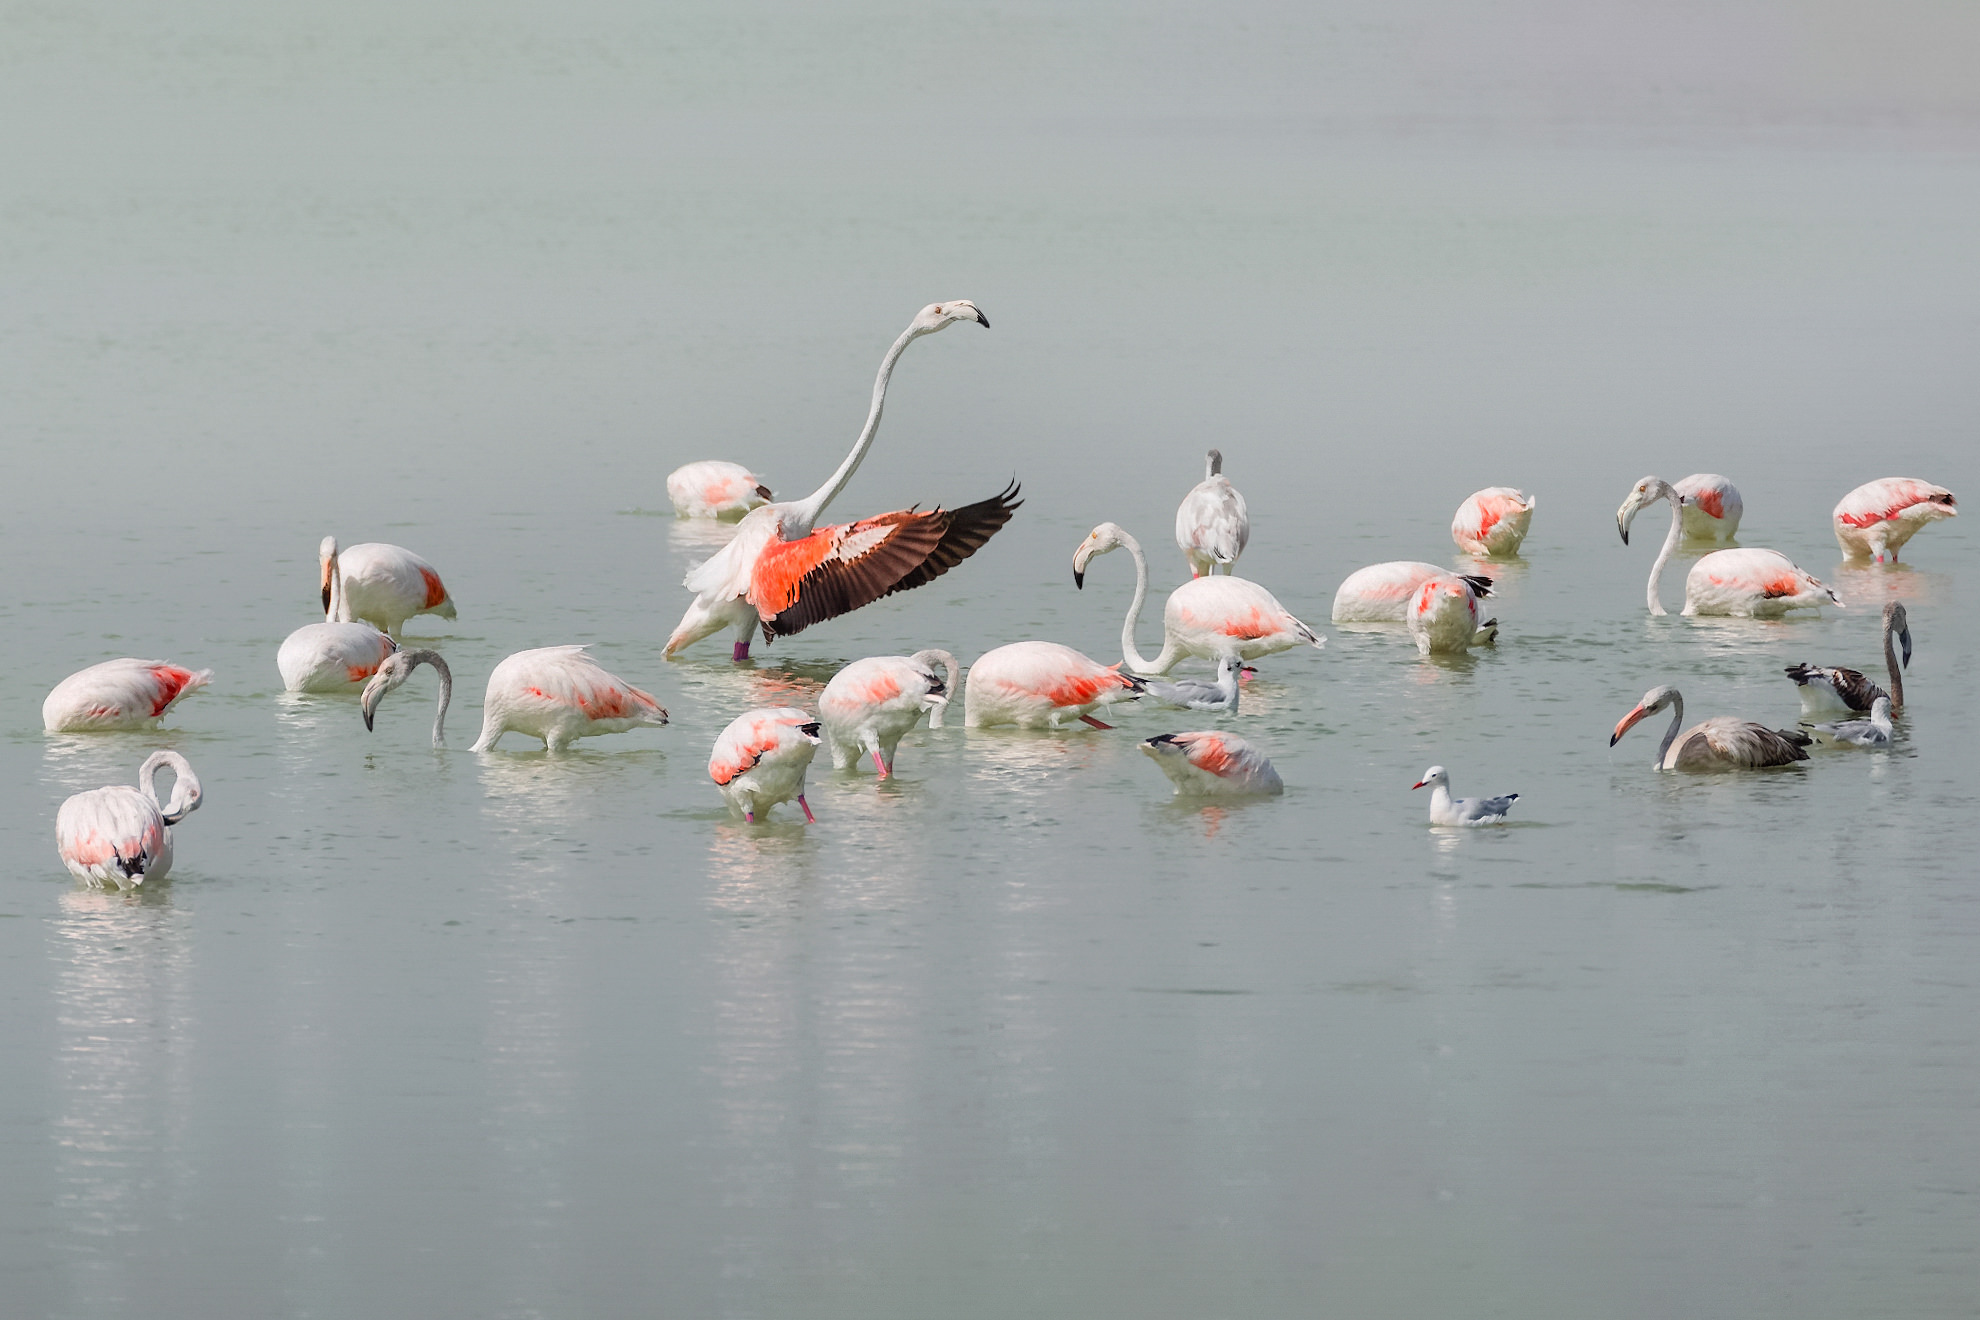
1645	493
1653	701
1107	536
1436	774
937	316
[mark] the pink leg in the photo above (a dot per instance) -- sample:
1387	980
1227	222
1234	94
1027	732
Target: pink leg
880	765
809	819
749	818
740	652
1088	719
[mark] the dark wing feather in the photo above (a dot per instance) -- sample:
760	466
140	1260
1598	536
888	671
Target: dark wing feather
839	586
969	527
1856	691
1481	586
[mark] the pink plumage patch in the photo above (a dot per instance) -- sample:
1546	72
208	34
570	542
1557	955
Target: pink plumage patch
171	682
435	593
1712	501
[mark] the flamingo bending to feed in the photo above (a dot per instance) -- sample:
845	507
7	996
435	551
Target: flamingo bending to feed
1720	743
782	574
1202	694
1212	524
1212	764
1042	685
380	584
1382	593
1873	732
1826	690
713	488
118	694
1207	616
1759	584
398	667
1443	616
1492	522
560	694
1712	507
1878	517
334	656
122	836
1448	810
871	704
760	760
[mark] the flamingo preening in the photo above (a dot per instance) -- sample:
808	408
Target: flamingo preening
1827	690
559	694
1443	615
871	704
338	654
1448	810
761	758
1493	522
1207	616
396	670
122	836
1759	584
1720	743
1878	517
1212	764
381	584
713	488
782	574
1712	507
1212	523
1042	685
118	694
1382	593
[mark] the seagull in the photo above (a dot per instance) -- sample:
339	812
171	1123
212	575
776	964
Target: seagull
1202	693
1873	732
1447	810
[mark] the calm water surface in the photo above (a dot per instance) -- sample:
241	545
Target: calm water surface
427	1033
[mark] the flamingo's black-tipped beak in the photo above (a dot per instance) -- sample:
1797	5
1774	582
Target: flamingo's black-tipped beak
1624	530
1079	579
982	320
1904	640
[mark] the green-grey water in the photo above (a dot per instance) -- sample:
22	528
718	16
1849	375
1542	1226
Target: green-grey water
429	1033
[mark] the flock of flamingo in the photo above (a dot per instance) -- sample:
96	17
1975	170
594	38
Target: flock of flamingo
781	572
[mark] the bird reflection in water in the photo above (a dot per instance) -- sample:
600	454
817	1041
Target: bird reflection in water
554	789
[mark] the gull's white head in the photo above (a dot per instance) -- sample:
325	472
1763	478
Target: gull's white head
1436	774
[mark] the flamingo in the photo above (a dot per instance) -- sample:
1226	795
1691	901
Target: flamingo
1443	616
1878	517
1200	694
1826	690
1720	743
1212	524
1382	593
118	694
1208	616
1712	507
560	694
871	704
1758	584
713	488
1041	685
760	760
122	836
336	655
1448	810
1492	522
398	667
1212	764
382	584
1873	732
780	574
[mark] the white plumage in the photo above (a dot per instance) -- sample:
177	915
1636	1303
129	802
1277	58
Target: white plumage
560	694
761	759
712	488
1448	810
871	704
1877	518
1493	522
121	836
380	584
1042	685
1212	524
118	694
1208	763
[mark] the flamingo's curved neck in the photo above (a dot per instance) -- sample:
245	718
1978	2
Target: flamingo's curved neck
336	611
185	784
804	513
422	657
1891	662
1664	555
1130	653
1677	722
948	663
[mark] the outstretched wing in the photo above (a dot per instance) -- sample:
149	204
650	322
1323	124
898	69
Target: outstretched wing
836	570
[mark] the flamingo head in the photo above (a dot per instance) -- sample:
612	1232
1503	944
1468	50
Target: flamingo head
938	316
395	669
1105	537
1646	492
1653	701
1436	774
326	557
1896	622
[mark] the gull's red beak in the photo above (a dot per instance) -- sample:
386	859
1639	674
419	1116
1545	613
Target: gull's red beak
1418	784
